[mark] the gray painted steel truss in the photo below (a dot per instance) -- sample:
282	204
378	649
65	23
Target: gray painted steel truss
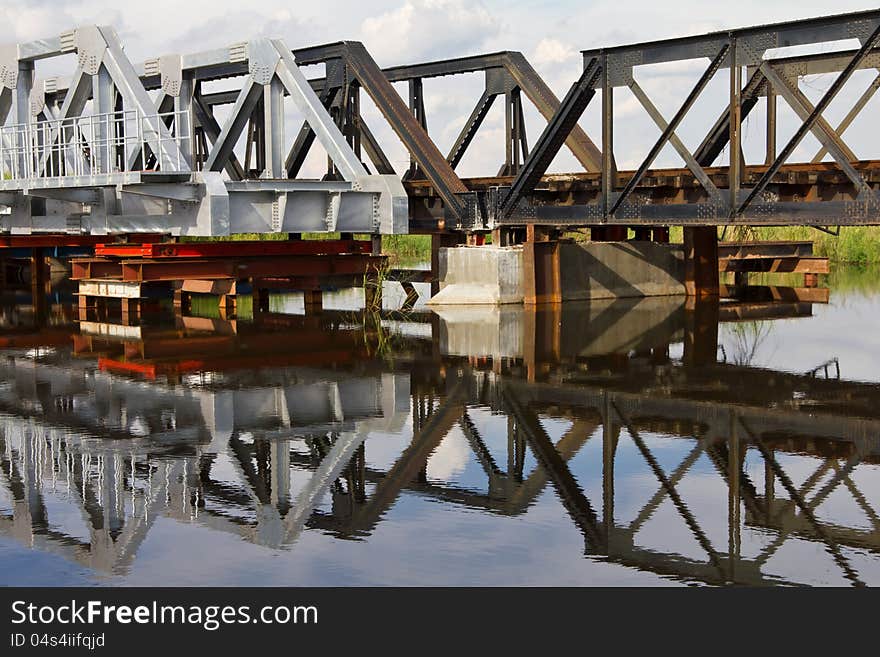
97	153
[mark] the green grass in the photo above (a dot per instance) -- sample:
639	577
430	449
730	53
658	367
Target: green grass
407	247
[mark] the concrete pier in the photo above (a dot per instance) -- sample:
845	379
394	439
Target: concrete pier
554	271
479	275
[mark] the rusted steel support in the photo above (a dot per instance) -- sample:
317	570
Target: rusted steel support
508	235
131	310
734	110
701	261
84	268
542	276
770	154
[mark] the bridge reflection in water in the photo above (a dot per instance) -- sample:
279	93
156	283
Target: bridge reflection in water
264	429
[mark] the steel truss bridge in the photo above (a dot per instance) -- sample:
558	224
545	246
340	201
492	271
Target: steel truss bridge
221	450
119	147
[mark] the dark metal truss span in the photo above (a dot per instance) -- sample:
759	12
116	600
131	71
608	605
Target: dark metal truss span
838	185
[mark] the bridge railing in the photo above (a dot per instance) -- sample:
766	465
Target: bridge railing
94	144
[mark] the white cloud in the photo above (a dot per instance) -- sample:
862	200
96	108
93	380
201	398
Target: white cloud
429	29
553	51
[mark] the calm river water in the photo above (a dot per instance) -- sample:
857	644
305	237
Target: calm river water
627	442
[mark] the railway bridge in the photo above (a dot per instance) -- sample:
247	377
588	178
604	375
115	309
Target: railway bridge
197	144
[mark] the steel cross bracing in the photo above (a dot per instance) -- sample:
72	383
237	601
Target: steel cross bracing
838	185
773	192
98	153
350	69
122	147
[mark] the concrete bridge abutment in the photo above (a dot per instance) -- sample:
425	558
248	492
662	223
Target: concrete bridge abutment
546	269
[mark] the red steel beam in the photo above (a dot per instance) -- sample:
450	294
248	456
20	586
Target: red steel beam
81	268
234	249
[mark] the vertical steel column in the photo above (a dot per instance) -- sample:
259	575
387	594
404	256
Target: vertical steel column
771	126
511	445
509	146
351	126
735	145
273	129
701	277
103	103
22	114
184	121
515	149
313	302
609	173
541	274
417	107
